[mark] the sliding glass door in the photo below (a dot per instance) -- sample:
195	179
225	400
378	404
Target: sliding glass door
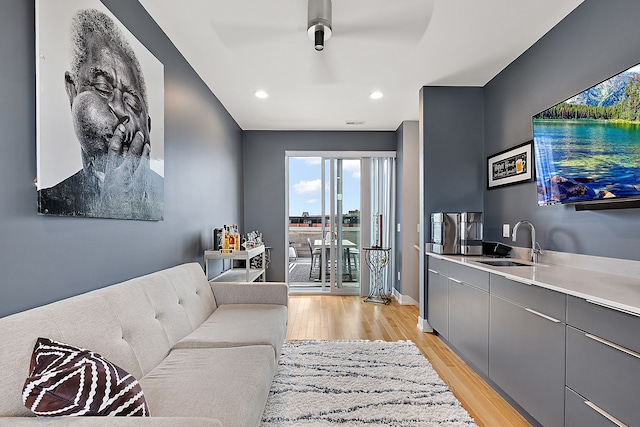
331	200
340	245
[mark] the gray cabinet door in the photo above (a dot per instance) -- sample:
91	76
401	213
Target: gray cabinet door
470	275
605	373
527	359
469	323
580	414
609	323
439	265
545	301
438	303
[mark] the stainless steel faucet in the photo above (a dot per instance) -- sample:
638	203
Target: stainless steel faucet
535	247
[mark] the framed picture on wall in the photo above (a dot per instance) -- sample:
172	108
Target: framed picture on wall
99	115
512	166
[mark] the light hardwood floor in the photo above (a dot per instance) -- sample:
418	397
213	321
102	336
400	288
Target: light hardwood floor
349	318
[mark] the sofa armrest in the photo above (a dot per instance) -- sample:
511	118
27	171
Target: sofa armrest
109	422
250	293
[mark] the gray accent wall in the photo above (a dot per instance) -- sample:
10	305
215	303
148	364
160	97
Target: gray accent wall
265	181
597	40
452	146
43	259
452	123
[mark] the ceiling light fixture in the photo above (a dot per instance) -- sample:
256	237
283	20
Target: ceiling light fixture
319	22
261	94
376	94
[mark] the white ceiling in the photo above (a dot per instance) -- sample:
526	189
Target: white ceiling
395	46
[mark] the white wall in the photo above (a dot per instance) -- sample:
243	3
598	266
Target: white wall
408	213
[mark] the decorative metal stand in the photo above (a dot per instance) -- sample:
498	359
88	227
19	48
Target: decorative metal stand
377	260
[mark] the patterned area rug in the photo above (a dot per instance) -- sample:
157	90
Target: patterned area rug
359	383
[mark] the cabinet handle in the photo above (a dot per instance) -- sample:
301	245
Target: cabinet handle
432	271
544	316
605	414
612	345
515	279
455	280
621	310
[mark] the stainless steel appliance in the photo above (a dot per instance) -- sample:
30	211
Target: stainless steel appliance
471	233
444	233
454	233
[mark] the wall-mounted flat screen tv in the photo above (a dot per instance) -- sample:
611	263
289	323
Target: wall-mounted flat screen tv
588	147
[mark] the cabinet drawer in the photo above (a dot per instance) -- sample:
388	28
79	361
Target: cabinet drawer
578	413
610	324
439	265
470	275
607	376
545	301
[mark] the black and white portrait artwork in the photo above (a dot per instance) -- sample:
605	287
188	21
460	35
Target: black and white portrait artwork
100	115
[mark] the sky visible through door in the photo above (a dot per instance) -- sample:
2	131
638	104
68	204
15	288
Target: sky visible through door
305	185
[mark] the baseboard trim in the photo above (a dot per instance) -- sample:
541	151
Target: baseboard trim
404	299
423	325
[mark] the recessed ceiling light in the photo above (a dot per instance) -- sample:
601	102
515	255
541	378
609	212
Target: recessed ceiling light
261	94
376	95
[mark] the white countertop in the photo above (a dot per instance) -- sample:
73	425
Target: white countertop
617	291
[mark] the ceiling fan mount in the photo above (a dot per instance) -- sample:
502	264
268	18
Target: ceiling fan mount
319	22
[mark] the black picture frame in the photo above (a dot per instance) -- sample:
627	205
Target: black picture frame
515	165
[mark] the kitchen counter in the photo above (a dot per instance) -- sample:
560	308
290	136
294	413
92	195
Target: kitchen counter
616	291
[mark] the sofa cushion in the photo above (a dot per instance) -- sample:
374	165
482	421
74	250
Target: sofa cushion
233	325
19	333
69	381
250	293
159	309
228	384
133	324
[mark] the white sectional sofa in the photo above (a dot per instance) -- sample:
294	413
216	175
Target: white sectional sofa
204	353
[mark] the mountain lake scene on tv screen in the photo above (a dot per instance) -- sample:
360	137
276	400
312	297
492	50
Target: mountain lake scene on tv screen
588	147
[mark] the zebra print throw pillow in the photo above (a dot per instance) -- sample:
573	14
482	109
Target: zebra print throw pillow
69	381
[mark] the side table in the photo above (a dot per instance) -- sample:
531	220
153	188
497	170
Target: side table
248	274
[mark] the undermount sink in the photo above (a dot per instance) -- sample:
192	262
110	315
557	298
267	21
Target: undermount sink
504	263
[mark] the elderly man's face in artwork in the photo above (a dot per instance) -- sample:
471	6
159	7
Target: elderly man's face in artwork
108	110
